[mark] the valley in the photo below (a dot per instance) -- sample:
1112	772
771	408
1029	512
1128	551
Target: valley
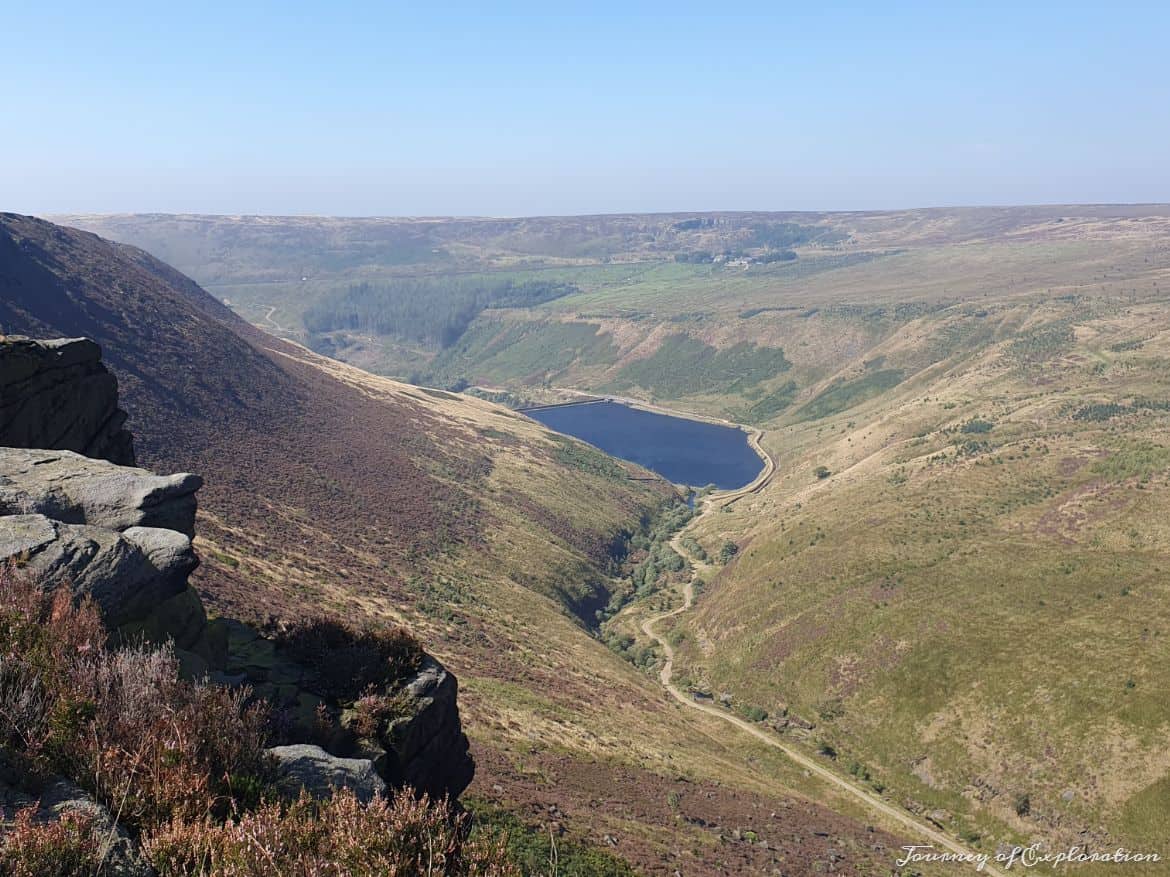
496	541
953	588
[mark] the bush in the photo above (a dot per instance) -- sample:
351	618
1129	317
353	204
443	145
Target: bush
65	847
1023	804
728	551
753	713
121	724
977	426
153	746
347	663
822	472
692	545
374	711
405	836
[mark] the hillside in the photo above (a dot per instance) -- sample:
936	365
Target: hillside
742	315
327	488
970	604
973	603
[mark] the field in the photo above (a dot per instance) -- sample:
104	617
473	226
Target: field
960	575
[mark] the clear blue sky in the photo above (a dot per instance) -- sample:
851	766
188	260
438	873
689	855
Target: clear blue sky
362	108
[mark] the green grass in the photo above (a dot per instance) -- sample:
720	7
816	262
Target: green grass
843	395
526	352
768	406
1133	459
537	851
685	366
578	455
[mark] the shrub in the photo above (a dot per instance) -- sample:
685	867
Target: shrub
977	426
728	551
402	836
121	724
1099	411
153	746
822	472
831	709
374	711
347	663
692	545
64	847
753	713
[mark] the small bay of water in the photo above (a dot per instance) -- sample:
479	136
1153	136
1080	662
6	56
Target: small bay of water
681	450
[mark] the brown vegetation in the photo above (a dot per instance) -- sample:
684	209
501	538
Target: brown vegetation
183	764
349	664
403	837
121	724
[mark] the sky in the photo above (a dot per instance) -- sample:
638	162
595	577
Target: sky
508	109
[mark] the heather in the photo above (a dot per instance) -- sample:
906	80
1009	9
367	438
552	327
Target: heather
386	838
182	766
121	723
348	663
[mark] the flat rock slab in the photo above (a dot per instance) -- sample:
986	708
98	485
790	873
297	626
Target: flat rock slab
68	487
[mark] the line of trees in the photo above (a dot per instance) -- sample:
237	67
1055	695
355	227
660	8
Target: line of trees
423	310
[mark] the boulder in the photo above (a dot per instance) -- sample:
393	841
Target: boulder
127	574
182	618
68	487
58	394
302	766
57	796
427	750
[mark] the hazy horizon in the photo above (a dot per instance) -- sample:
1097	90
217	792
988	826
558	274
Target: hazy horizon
504	216
370	111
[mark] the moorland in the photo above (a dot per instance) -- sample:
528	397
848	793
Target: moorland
953	590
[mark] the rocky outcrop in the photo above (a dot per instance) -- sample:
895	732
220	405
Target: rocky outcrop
426	748
423	746
303	766
58	395
74	489
126	573
123	537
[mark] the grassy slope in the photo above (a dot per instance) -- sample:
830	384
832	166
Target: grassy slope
975	617
553	714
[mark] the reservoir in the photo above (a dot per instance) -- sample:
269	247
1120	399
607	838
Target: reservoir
683	451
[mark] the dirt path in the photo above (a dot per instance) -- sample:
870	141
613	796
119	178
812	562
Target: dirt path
268	319
920	831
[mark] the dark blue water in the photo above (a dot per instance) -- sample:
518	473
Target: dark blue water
680	450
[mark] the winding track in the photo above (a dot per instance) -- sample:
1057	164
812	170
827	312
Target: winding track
868	798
